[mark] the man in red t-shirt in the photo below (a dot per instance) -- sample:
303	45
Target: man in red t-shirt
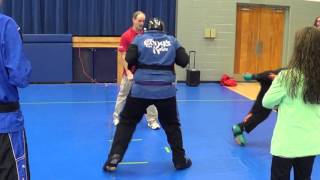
138	19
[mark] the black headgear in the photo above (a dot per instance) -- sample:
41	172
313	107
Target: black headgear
155	24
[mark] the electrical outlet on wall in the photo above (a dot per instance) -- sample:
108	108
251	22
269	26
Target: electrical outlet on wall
213	33
209	33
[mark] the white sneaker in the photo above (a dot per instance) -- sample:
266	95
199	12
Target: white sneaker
154	125
116	122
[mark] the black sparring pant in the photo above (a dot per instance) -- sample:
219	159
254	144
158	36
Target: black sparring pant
14	164
131	115
258	112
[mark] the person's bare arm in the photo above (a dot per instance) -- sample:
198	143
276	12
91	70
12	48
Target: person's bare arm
272	76
125	65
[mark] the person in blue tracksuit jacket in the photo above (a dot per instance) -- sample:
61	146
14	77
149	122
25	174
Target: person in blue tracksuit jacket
153	54
14	72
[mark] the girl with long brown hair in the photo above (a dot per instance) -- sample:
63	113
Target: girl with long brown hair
296	94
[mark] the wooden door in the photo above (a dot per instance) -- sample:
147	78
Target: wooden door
259	39
246	39
271	38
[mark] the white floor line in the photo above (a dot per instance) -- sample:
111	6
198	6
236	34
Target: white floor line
104	102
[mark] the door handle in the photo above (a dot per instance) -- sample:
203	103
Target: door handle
259	48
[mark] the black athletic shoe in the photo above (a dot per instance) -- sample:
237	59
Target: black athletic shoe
111	164
183	165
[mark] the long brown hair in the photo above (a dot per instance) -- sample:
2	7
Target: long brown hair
304	67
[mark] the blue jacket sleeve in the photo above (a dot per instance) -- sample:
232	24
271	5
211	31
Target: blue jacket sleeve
18	66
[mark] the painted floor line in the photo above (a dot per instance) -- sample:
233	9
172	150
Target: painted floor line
103	102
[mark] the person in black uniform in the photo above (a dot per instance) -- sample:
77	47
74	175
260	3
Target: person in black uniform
153	54
258	113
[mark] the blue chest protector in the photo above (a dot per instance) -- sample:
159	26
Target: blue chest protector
15	70
155	77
